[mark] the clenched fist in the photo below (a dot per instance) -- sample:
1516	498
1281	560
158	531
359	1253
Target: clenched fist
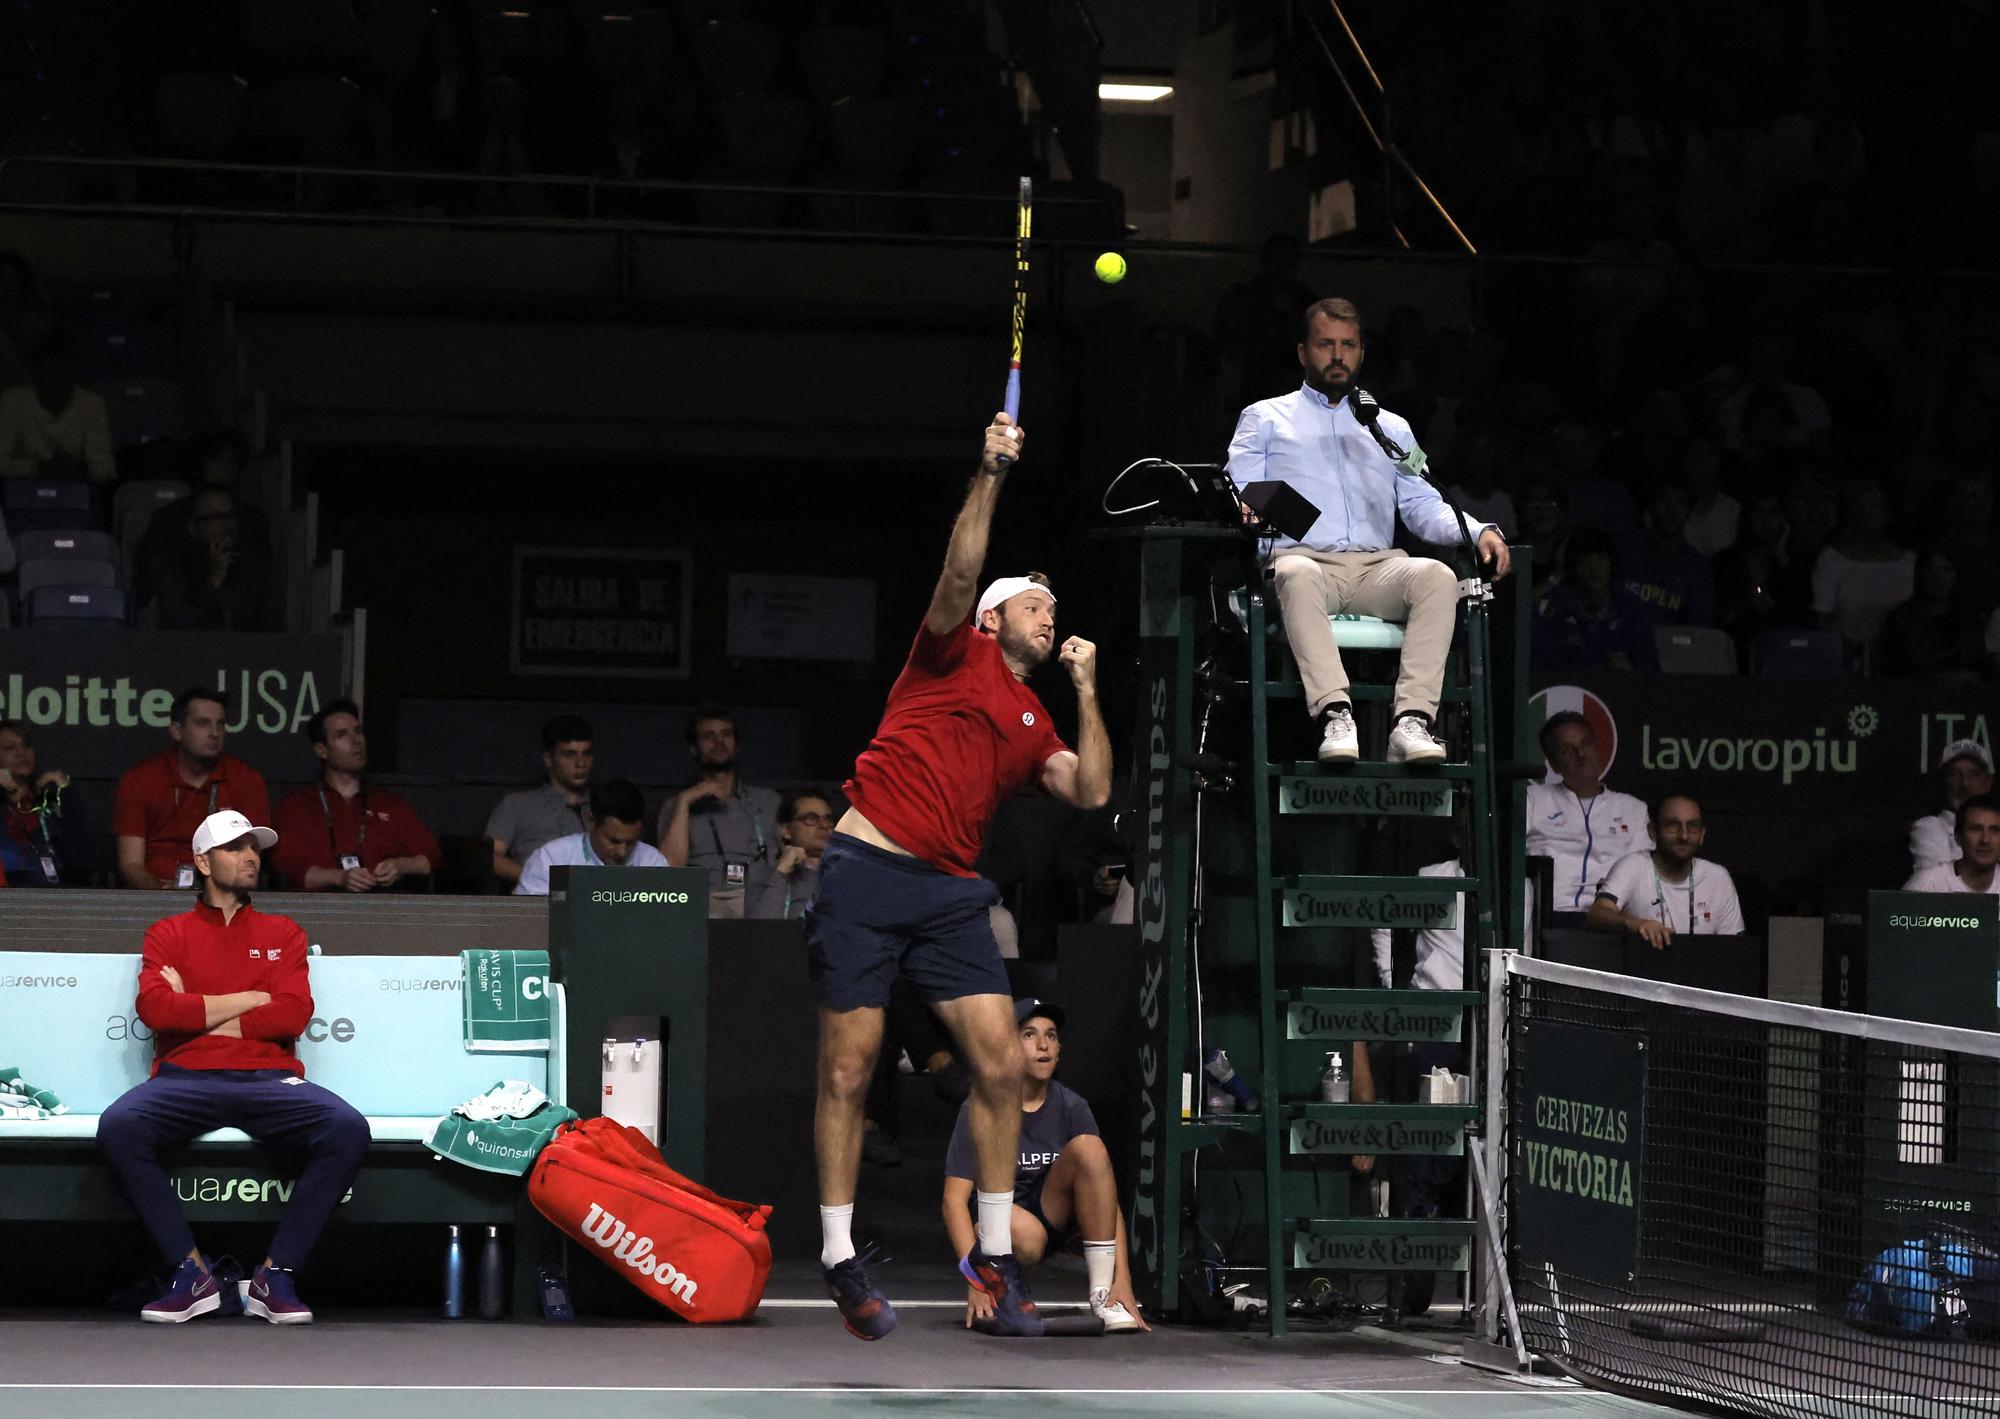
1079	657
1004	438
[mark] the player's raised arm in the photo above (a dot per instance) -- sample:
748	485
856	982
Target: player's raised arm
958	584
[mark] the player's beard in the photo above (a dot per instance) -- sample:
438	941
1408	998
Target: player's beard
1024	649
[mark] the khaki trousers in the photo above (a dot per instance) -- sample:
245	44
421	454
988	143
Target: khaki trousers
1419	592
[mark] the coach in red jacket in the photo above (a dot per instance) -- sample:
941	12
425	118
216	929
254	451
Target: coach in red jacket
224	989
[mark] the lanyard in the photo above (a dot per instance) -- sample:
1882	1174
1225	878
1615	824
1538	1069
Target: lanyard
715	833
331	841
212	786
1660	900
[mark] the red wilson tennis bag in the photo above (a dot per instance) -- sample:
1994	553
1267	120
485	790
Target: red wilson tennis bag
701	1256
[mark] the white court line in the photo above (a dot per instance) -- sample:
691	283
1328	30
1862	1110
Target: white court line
791	1390
806	1304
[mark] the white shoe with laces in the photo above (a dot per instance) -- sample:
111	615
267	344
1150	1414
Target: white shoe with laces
1411	742
1341	742
1113	1313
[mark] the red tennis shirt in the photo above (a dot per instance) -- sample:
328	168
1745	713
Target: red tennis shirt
317	827
959	735
214	957
157	804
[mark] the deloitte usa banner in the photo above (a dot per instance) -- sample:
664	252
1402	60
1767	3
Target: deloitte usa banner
1761	745
99	699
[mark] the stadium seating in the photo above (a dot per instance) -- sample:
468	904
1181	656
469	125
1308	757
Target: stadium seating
1798	653
68	604
132	509
1695	650
35	504
143	409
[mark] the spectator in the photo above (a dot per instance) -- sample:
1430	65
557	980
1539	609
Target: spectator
1967	535
1965	772
223	582
805	823
1595	498
615	837
1932	635
24	317
6	551
1662	570
1546	527
52	427
1669	891
1588	621
163	798
1093	861
522	822
1750	576
1582	825
1477	493
1792	410
1863	575
218	458
717	823
341	834
1713	515
1977	830
45	837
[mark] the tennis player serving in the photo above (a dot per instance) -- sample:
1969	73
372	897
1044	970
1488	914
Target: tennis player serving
961	732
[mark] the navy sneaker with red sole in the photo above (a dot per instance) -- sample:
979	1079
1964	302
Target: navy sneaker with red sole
865	1310
1000	1278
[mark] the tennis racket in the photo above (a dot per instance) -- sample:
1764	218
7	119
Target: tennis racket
1024	212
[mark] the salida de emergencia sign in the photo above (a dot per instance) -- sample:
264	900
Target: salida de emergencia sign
600	611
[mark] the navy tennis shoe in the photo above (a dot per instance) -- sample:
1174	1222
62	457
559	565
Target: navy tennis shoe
1000	1278
866	1311
194	1292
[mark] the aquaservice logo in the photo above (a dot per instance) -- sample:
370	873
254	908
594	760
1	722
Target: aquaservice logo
636	1252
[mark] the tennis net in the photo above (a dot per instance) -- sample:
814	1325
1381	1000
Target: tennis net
1751	1206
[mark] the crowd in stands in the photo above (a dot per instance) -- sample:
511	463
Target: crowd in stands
833	95
109	509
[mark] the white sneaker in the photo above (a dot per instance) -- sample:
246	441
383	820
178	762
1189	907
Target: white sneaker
1411	742
1113	1313
1341	744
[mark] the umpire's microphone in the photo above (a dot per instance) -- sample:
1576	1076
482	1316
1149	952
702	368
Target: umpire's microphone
1369	414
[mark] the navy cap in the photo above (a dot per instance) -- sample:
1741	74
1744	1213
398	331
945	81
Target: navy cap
1026	1010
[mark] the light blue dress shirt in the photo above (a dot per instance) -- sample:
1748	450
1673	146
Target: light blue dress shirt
1330	459
574	851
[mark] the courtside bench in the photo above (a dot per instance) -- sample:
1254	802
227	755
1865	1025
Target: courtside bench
386	1035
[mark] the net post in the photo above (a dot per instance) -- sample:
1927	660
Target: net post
1493	1130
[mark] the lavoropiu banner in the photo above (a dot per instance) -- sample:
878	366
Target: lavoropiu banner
99	700
1746	745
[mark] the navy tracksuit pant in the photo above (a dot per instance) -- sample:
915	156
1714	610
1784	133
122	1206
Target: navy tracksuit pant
274	1107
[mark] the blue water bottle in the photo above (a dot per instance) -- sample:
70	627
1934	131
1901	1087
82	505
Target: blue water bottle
492	1277
454	1275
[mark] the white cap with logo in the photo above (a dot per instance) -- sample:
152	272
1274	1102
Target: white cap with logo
220	829
1966	749
1005	589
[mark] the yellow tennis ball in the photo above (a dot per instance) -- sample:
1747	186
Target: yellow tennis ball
1110	268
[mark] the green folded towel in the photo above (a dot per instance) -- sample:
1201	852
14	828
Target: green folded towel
506	1001
20	1099
501	1131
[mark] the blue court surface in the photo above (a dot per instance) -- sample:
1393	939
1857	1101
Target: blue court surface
794	1359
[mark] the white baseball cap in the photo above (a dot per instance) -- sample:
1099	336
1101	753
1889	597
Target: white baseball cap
1004	589
1966	749
218	829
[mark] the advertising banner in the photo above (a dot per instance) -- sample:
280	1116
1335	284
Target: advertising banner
600	611
99	699
1579	1151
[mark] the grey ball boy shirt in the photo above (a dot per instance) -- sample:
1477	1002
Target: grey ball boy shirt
526	820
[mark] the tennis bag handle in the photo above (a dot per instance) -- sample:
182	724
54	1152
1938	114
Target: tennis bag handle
703	1256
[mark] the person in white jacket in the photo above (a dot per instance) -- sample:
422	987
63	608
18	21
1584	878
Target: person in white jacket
1583	825
1965	769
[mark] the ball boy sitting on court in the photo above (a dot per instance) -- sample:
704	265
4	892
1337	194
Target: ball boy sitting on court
1063	1186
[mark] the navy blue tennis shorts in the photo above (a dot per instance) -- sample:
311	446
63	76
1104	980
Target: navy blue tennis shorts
879	913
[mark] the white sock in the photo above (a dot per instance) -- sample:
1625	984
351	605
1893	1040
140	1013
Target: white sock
996	1223
1100	1259
835	1242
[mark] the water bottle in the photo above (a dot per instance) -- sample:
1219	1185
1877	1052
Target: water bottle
1219	1069
1333	1085
454	1275
492	1278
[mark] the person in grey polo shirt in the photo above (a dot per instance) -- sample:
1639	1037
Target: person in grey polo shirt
718	823
522	822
